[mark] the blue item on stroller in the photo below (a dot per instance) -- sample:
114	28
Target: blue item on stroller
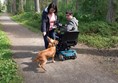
67	54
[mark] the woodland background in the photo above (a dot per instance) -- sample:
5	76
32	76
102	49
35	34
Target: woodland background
98	19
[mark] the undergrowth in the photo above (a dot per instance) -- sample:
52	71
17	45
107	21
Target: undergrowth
8	68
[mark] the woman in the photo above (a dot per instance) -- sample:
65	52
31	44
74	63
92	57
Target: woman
49	18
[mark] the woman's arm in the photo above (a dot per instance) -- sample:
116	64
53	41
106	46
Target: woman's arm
43	24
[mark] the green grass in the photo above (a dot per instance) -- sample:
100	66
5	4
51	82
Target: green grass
99	34
98	41
8	68
30	20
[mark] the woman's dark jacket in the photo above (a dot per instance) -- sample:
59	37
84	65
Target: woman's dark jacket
45	22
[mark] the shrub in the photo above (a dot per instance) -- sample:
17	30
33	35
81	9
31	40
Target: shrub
29	18
98	41
8	68
99	27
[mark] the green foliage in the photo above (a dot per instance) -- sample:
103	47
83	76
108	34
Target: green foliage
8	6
29	6
114	28
85	17
44	3
0	6
99	41
29	18
88	10
3	43
99	27
99	34
8	68
92	10
61	17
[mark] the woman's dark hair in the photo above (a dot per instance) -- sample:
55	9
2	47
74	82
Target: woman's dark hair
54	6
69	12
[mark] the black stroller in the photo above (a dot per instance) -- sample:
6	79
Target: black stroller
66	41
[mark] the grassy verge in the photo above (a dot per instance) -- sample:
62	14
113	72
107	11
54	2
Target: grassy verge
99	34
29	20
8	68
99	41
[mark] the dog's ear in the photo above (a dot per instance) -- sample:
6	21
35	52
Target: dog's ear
49	39
50	45
55	42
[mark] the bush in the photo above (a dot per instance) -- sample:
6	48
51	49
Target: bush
29	18
61	17
8	68
99	27
114	28
98	41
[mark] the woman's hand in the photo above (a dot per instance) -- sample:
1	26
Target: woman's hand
44	33
54	27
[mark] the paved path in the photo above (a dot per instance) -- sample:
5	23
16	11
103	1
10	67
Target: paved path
81	70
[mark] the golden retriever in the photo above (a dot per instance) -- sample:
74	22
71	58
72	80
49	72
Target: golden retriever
47	53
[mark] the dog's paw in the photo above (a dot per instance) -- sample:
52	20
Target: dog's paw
53	61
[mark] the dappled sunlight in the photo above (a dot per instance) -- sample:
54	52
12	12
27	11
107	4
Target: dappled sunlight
28	41
19	31
27	48
9	23
6	21
4	18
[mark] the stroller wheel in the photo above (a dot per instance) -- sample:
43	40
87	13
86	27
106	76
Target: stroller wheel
61	57
74	57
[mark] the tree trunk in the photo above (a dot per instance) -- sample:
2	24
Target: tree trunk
67	2
111	12
0	6
77	4
55	1
37	6
25	5
21	8
14	6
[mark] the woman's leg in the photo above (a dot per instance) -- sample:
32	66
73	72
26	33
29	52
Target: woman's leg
51	34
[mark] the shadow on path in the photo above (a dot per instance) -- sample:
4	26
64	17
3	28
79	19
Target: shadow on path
86	51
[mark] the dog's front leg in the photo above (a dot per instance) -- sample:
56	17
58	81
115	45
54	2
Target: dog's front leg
53	60
39	65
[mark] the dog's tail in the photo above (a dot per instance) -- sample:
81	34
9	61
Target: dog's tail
36	59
